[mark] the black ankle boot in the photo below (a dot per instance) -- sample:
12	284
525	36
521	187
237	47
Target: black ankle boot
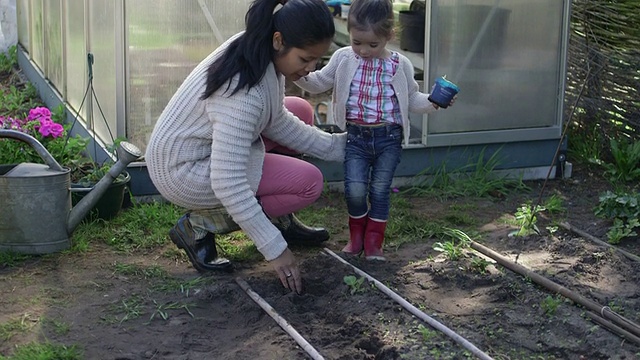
298	234
202	252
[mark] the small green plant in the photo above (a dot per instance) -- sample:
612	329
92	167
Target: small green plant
526	218
355	284
550	304
449	249
624	210
554	204
9	61
626	161
453	249
427	334
479	264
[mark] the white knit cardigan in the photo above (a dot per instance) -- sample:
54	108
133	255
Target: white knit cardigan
204	154
338	74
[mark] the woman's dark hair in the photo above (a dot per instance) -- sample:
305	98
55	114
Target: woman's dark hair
302	23
374	15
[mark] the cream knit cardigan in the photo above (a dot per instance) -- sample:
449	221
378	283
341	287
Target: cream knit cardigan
339	73
204	154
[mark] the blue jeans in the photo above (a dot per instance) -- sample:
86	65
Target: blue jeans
372	155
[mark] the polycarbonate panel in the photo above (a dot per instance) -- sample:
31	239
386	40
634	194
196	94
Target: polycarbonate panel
505	56
103	44
37	34
22	14
54	45
166	40
76	56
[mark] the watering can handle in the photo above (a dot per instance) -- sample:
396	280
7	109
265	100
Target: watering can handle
35	144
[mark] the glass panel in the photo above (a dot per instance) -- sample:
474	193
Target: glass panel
22	14
505	57
37	34
103	47
53	44
166	41
76	55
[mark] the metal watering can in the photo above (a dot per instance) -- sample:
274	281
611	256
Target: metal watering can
36	216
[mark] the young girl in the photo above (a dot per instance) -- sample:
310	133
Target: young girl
207	150
374	91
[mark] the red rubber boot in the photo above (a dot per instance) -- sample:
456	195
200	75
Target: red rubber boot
356	236
373	239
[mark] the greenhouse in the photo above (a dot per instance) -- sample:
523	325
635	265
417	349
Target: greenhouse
115	65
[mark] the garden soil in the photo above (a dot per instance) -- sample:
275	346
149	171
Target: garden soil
498	312
80	299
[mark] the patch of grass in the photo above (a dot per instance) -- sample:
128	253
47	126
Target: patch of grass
182	286
237	246
17	326
162	310
144	272
45	351
405	226
128	309
478	178
12	259
139	228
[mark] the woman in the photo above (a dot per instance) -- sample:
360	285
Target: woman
207	153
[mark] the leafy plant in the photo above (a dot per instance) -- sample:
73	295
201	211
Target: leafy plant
526	218
355	284
626	161
451	249
9	60
550	304
624	210
479	264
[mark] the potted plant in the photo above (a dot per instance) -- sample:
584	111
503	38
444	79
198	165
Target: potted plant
69	151
85	173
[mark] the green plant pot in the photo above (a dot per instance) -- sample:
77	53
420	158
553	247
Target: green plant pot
109	203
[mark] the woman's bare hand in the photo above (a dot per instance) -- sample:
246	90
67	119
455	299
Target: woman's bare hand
287	269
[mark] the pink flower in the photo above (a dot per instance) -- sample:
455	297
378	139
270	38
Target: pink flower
39	113
47	128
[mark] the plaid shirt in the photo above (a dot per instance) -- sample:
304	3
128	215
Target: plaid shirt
372	99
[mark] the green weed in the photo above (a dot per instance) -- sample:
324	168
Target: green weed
550	304
16	326
162	310
45	351
477	178
626	161
355	284
624	210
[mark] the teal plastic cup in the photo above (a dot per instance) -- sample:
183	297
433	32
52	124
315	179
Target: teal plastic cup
443	92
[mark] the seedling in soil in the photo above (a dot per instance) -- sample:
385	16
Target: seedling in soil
355	284
451	249
479	265
550	304
526	218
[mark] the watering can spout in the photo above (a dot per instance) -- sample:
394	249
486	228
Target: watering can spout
127	153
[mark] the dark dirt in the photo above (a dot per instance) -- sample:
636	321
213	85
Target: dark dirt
500	312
